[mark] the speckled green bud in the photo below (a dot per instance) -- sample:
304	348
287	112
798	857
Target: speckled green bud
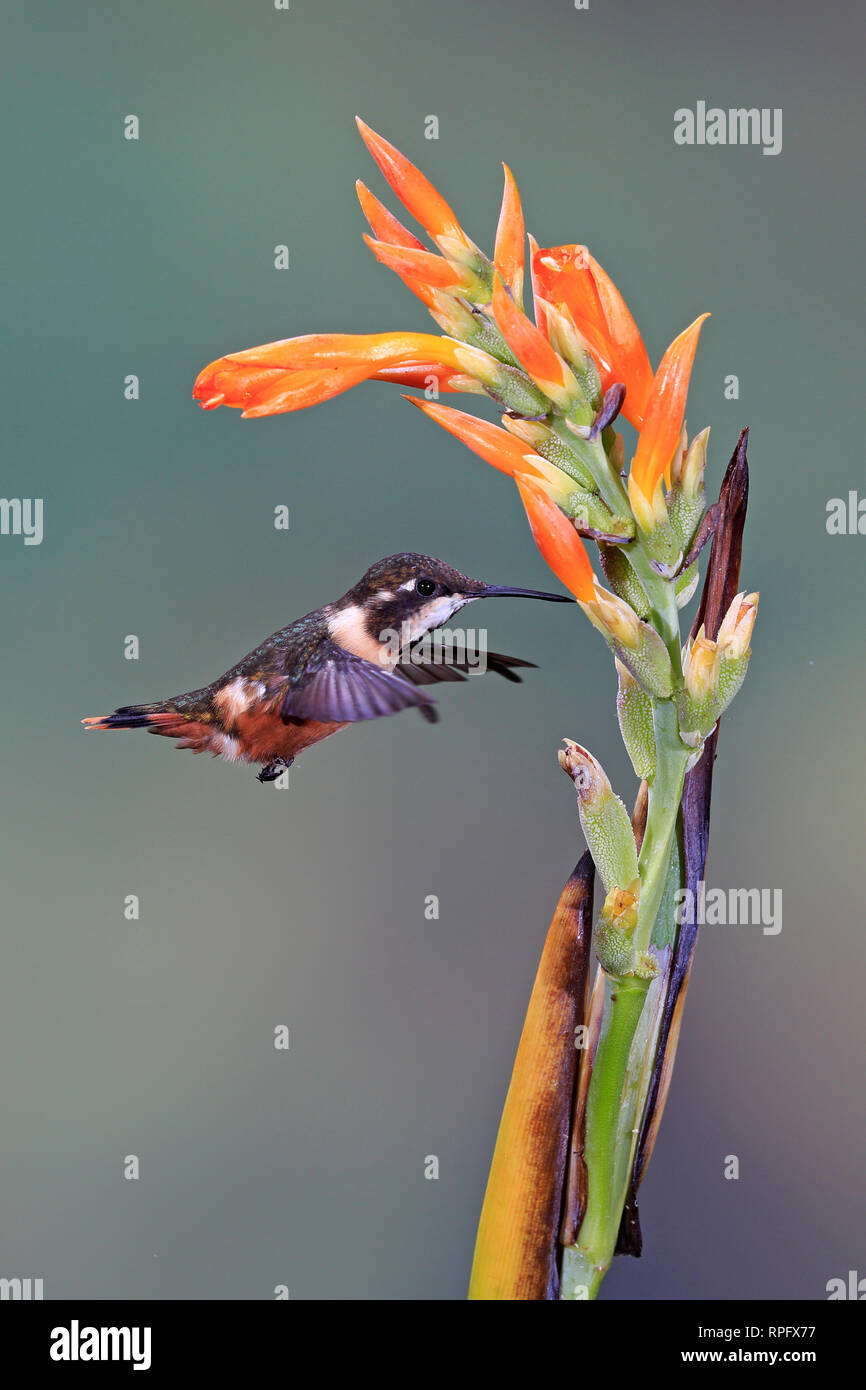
605	820
551	446
648	661
635	713
588	510
623	580
614	933
685	515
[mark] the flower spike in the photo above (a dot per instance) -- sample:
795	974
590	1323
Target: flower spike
418	196
663	418
508	252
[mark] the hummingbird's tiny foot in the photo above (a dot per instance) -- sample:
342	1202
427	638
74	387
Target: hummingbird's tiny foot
273	770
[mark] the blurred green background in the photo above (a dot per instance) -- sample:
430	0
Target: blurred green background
306	907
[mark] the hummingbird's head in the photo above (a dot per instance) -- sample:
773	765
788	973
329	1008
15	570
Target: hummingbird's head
411	595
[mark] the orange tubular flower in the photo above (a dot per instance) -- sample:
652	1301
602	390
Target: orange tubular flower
419	374
489	442
387	229
419	197
508	251
298	390
298	372
531	348
557	540
422	267
570	276
383	224
665	408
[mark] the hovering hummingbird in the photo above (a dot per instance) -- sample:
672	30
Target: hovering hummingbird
355	659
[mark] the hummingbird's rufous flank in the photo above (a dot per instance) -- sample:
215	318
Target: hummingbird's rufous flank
358	658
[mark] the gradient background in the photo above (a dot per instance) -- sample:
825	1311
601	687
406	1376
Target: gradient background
306	907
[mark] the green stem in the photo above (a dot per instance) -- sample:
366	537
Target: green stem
608	1141
607	480
663	602
665	794
620	1077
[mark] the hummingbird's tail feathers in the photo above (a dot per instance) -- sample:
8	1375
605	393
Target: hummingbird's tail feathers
162	717
194	734
134	717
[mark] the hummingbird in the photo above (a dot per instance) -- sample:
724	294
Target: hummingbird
360	658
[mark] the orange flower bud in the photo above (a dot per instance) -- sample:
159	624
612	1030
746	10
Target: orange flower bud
663	418
531	348
489	442
389	230
383	224
569	275
508	252
557	539
422	267
417	194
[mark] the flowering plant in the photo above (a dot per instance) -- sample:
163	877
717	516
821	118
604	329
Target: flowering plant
575	1137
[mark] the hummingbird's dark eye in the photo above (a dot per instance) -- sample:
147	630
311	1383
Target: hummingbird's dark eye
426	587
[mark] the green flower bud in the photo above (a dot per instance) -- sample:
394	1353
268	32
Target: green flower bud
687	499
509	386
648	661
587	509
659	537
571	345
714	671
605	820
554	448
635	713
733	640
623	580
614	933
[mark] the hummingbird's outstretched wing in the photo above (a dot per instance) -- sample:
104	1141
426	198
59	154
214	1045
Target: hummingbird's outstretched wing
421	670
345	688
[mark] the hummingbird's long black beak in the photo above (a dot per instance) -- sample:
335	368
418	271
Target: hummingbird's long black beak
505	591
